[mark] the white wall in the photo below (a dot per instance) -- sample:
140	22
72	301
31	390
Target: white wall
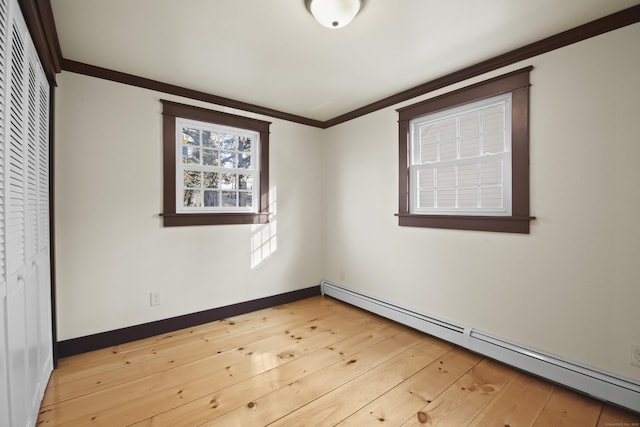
112	250
571	287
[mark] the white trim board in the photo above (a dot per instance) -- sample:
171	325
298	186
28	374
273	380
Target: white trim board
601	385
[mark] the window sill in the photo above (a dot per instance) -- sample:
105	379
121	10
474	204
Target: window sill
176	220
505	224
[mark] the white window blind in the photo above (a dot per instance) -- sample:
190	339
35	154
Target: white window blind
217	168
461	160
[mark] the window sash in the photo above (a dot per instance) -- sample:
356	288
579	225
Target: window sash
218	192
446	177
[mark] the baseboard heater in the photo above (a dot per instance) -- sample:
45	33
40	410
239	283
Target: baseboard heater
601	385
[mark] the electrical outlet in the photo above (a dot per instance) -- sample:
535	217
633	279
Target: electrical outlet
154	298
635	354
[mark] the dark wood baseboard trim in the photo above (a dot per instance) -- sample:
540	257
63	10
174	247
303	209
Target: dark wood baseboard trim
120	336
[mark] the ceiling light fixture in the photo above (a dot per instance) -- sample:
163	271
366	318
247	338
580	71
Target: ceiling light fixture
334	13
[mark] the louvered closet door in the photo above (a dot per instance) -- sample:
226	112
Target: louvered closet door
28	301
4	373
43	257
15	188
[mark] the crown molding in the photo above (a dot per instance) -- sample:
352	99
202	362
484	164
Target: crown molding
38	16
594	28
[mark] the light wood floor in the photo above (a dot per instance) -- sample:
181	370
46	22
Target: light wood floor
316	362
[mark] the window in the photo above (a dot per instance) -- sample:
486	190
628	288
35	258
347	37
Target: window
216	167
461	159
464	158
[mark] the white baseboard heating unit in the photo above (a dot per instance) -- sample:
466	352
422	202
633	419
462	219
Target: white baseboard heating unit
601	385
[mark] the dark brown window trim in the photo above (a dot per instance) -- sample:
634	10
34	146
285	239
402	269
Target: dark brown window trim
171	111
516	82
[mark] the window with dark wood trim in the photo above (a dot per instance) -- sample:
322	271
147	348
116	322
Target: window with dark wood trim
171	215
515	83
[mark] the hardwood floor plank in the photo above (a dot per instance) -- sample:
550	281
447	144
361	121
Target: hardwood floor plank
394	407
264	315
184	383
315	362
264	410
518	404
343	401
170	358
71	368
223	401
463	401
567	408
613	416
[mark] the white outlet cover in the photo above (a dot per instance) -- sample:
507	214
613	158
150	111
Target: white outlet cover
154	298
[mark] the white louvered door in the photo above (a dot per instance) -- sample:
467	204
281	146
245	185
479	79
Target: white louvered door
24	250
15	173
4	373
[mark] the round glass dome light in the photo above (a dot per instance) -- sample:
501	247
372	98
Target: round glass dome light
334	13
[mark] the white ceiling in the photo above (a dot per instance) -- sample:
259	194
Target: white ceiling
272	53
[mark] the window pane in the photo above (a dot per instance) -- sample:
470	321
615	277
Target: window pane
494	142
190	155
245	182
426	198
449	151
426	179
428	140
493	119
446	198
491	172
470	125
445	177
209	157
447	130
468	175
229	198
190	136
428	153
491	197
228	181
192	198
244	161
227	141
211	198
209	139
192	179
211	180
468	197
469	147
244	144
245	200
227	159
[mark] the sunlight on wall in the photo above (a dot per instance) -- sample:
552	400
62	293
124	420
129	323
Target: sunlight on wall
264	241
